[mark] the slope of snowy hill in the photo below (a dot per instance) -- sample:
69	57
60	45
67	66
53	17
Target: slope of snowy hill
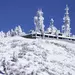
23	56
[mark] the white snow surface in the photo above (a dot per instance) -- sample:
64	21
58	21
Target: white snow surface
37	56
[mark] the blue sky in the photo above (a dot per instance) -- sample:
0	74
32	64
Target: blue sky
22	12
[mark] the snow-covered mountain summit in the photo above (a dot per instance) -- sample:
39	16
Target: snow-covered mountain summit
21	56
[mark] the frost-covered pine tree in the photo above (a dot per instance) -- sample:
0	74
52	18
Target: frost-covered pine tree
39	22
66	27
52	26
52	29
8	34
2	34
18	30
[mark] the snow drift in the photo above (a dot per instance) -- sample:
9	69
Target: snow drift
36	56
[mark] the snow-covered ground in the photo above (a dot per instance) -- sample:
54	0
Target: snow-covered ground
37	56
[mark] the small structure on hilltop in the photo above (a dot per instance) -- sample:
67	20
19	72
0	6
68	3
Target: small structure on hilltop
52	31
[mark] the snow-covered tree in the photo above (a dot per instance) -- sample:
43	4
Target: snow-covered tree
8	33
66	27
39	22
52	29
18	30
2	34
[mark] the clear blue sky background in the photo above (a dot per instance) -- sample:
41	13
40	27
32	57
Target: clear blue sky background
15	12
